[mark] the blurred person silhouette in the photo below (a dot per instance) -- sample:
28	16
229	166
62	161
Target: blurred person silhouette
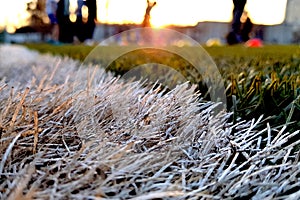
66	27
51	7
92	18
78	26
246	27
146	21
86	21
234	36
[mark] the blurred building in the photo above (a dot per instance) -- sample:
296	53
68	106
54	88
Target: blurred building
289	31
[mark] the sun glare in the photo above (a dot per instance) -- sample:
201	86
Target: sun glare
167	12
189	12
267	12
85	13
13	14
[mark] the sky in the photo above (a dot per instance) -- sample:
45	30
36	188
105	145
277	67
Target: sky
166	12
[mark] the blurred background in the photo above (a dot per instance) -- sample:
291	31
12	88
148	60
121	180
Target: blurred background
274	21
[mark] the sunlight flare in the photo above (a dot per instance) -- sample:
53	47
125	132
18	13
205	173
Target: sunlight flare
167	12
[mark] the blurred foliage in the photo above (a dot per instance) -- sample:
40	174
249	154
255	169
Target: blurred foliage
258	81
38	20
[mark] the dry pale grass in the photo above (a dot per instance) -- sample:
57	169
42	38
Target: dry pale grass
82	134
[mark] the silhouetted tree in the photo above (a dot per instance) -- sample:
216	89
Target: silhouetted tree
146	22
38	20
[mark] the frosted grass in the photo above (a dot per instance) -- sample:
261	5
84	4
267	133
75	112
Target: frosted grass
66	133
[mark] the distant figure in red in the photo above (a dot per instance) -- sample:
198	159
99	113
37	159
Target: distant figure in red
146	22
